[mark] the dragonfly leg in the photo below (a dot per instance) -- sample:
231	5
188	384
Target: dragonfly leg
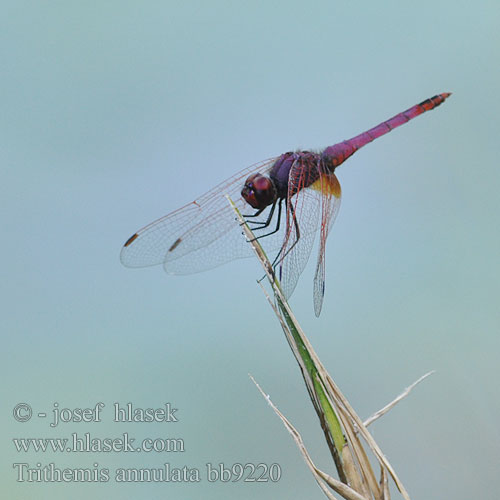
261	223
277	259
256	214
269	220
280	257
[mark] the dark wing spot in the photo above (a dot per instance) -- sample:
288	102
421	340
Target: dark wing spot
175	244
131	239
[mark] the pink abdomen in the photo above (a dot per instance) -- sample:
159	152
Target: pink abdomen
338	153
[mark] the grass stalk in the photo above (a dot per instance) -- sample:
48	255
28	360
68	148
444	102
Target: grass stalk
341	425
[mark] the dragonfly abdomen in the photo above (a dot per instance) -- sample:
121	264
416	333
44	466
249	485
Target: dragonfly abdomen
334	155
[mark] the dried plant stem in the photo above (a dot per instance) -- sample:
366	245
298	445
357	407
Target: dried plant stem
340	423
319	475
393	403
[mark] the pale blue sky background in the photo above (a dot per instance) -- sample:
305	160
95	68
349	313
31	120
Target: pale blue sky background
115	113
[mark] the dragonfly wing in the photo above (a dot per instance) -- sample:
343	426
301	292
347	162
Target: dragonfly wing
200	235
302	217
329	187
226	247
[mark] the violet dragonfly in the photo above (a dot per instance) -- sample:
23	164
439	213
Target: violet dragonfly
293	196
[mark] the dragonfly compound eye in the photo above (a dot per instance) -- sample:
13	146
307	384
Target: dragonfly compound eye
259	191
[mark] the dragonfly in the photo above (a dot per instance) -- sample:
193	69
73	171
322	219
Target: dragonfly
291	198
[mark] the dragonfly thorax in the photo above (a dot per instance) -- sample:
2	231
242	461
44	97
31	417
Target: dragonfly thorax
259	191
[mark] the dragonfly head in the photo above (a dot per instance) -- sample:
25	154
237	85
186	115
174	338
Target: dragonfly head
259	191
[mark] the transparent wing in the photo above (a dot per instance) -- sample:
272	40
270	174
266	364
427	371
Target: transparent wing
200	235
303	209
313	207
329	187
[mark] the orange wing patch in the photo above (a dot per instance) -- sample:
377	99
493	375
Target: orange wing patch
328	183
